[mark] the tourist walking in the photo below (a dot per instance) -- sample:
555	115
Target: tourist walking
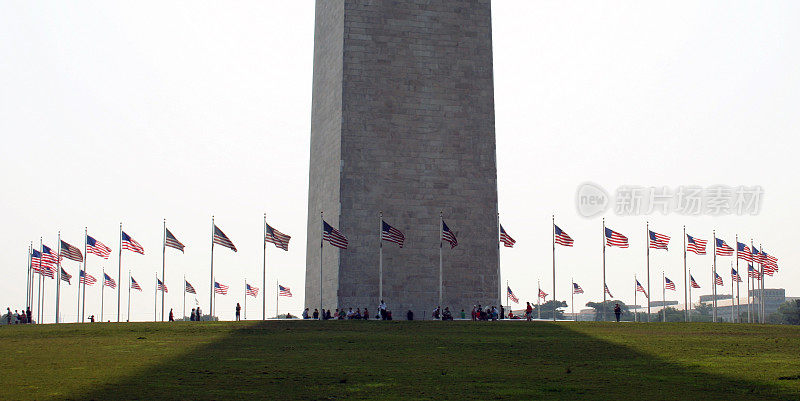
617	311
238	312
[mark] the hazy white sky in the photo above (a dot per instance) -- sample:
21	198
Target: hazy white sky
137	111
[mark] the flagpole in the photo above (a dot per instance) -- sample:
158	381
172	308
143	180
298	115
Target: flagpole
85	260
155	301
28	278
130	282
553	238
507	294
102	292
277	293
78	300
245	298
647	244
211	296
749	279
119	274
499	275
264	273
321	239
39	300
763	285
635	313
714	277
732	280
380	258
663	296
441	233
184	297
685	281
689	315
538	298
572	299
58	279
604	268
163	266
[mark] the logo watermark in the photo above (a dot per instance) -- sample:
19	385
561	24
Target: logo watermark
689	200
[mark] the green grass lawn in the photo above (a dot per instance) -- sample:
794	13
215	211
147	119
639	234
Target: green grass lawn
400	360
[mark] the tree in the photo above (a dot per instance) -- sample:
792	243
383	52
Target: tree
673	315
789	312
547	309
609	308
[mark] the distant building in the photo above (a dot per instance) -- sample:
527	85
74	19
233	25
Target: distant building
709	298
773	297
663	303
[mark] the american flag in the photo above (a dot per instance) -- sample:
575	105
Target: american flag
511	295
506	239
607	291
220	288
161	286
563	238
188	288
576	289
171	241
130	244
668	284
641	289
542	294
49	258
722	248
284	291
718	279
658	241
222	239
70	252
391	234
696	245
87	279
36	261
735	275
744	252
770	263
48	271
333	236
250	290
448	235
96	247
135	285
614	238
108	281
66	276
753	273
758	257
278	238
694	283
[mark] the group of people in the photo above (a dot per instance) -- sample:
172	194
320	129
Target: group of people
195	316
341	314
24	318
445	314
490	313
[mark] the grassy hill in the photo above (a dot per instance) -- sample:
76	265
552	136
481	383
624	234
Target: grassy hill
400	360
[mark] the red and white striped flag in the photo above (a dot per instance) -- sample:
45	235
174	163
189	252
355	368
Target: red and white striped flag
614	238
284	291
96	247
135	285
391	234
668	284
542	294
506	239
333	236
696	245
658	241
130	244
562	238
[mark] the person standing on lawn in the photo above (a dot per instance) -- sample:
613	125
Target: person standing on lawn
617	311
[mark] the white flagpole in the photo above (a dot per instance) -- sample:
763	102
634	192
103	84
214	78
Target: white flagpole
635	314
184	297
604	268
738	273
732	280
499	276
39	300
163	266
685	281
277	293
714	277
155	302
119	273
441	233
85	259
58	279
761	303
102	292
663	296
245	298
321	240
264	273
553	238
538	298
380	258
78	300
647	244
130	282
28	278
689	314
211	296
572	300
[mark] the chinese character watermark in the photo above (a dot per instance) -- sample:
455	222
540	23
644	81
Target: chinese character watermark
631	200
